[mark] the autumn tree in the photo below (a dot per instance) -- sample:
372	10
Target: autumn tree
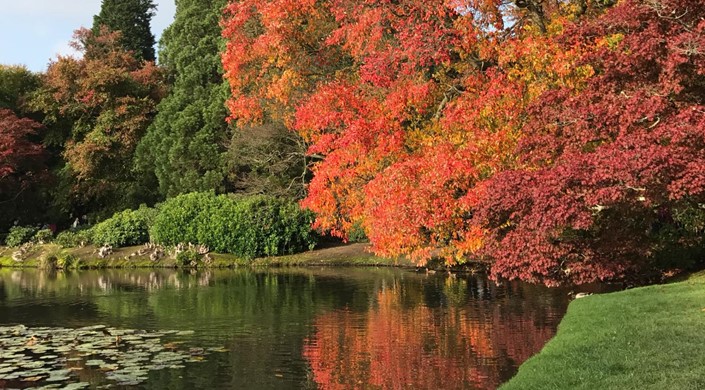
100	106
186	144
21	168
507	132
420	104
610	184
132	18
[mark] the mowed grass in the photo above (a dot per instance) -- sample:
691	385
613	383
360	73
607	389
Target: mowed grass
645	338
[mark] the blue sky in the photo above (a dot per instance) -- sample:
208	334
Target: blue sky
34	31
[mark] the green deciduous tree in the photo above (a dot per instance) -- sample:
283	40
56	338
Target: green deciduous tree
15	83
132	18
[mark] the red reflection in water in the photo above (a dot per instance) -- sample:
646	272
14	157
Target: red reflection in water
475	345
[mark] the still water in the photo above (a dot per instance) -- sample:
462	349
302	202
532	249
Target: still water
328	328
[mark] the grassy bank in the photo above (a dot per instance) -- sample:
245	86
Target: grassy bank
87	257
645	338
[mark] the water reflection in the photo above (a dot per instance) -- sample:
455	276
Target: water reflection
306	328
463	334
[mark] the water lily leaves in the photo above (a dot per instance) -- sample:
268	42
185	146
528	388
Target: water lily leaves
77	386
58	378
109	367
50	357
94	327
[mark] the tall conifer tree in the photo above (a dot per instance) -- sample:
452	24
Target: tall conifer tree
185	145
132	18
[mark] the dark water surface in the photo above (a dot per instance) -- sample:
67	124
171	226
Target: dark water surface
329	328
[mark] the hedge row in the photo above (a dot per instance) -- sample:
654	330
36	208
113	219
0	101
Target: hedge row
249	227
246	226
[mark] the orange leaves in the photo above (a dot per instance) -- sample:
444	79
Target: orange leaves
445	132
274	48
106	101
408	106
413	207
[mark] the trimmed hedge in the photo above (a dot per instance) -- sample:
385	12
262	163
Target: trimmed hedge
245	226
125	228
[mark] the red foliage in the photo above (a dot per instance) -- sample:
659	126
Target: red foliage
402	344
105	100
564	146
21	157
614	173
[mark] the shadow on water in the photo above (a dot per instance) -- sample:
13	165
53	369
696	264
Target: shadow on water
306	328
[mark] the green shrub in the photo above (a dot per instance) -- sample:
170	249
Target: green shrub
179	219
245	226
66	261
147	214
19	235
74	238
357	233
43	236
129	227
186	257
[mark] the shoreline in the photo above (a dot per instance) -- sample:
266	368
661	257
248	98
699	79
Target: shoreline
641	338
355	254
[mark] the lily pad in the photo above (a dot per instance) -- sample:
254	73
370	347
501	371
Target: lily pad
76	386
124	356
58	378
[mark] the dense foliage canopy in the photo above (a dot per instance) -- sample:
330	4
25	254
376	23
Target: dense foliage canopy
186	143
99	107
558	141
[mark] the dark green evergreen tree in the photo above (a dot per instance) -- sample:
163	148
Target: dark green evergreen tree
186	144
132	18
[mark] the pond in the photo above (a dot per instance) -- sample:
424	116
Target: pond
327	328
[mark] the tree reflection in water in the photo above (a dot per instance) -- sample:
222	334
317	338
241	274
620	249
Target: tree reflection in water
474	335
306	327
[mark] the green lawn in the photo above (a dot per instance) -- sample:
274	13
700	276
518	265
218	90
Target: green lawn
645	338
